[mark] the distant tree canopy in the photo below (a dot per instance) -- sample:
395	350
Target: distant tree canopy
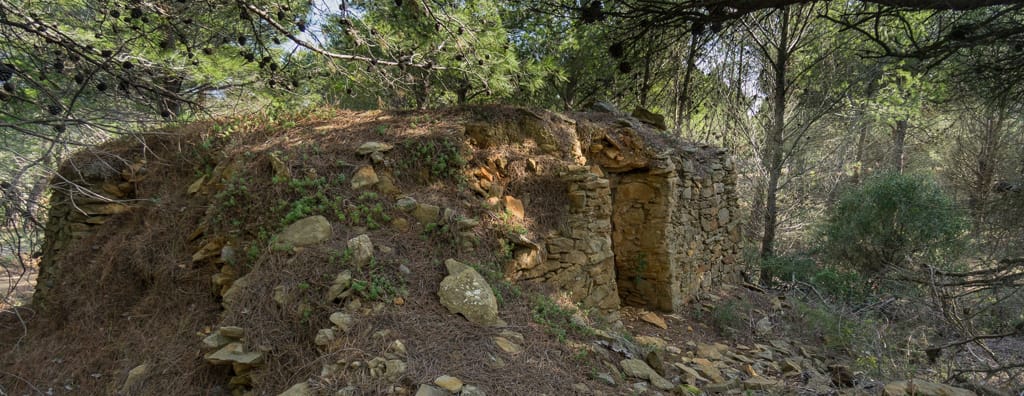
162	58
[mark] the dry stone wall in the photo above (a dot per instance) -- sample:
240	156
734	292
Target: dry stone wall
84	196
578	258
674	231
708	219
651	221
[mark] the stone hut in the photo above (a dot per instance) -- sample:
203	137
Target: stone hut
652	221
647	220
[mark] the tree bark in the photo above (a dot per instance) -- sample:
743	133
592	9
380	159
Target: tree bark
865	128
899	138
861	148
683	108
988	156
774	140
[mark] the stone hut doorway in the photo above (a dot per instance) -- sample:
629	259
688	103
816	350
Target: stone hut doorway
642	238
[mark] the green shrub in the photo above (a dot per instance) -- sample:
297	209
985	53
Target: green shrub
558	320
788	268
894	221
845	284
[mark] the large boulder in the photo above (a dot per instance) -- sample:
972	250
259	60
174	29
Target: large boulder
305	232
464	291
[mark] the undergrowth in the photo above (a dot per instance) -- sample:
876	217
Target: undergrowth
558	320
439	159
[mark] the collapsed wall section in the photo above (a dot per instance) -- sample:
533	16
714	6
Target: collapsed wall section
82	197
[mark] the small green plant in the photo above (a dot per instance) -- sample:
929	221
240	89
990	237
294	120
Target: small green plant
508	225
441	156
375	288
434	228
366	213
374	282
838	333
253	252
729	318
641	268
234	194
505	249
340	257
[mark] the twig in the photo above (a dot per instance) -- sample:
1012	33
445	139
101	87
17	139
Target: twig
878	304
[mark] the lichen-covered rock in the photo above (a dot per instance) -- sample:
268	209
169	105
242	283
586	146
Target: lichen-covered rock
305	232
449	383
281	169
406	204
324	337
467	293
427	213
216	341
232	294
431	390
508	346
374	147
361	248
135	376
342	321
648	117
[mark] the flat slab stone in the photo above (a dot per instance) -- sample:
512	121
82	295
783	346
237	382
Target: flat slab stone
234	353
